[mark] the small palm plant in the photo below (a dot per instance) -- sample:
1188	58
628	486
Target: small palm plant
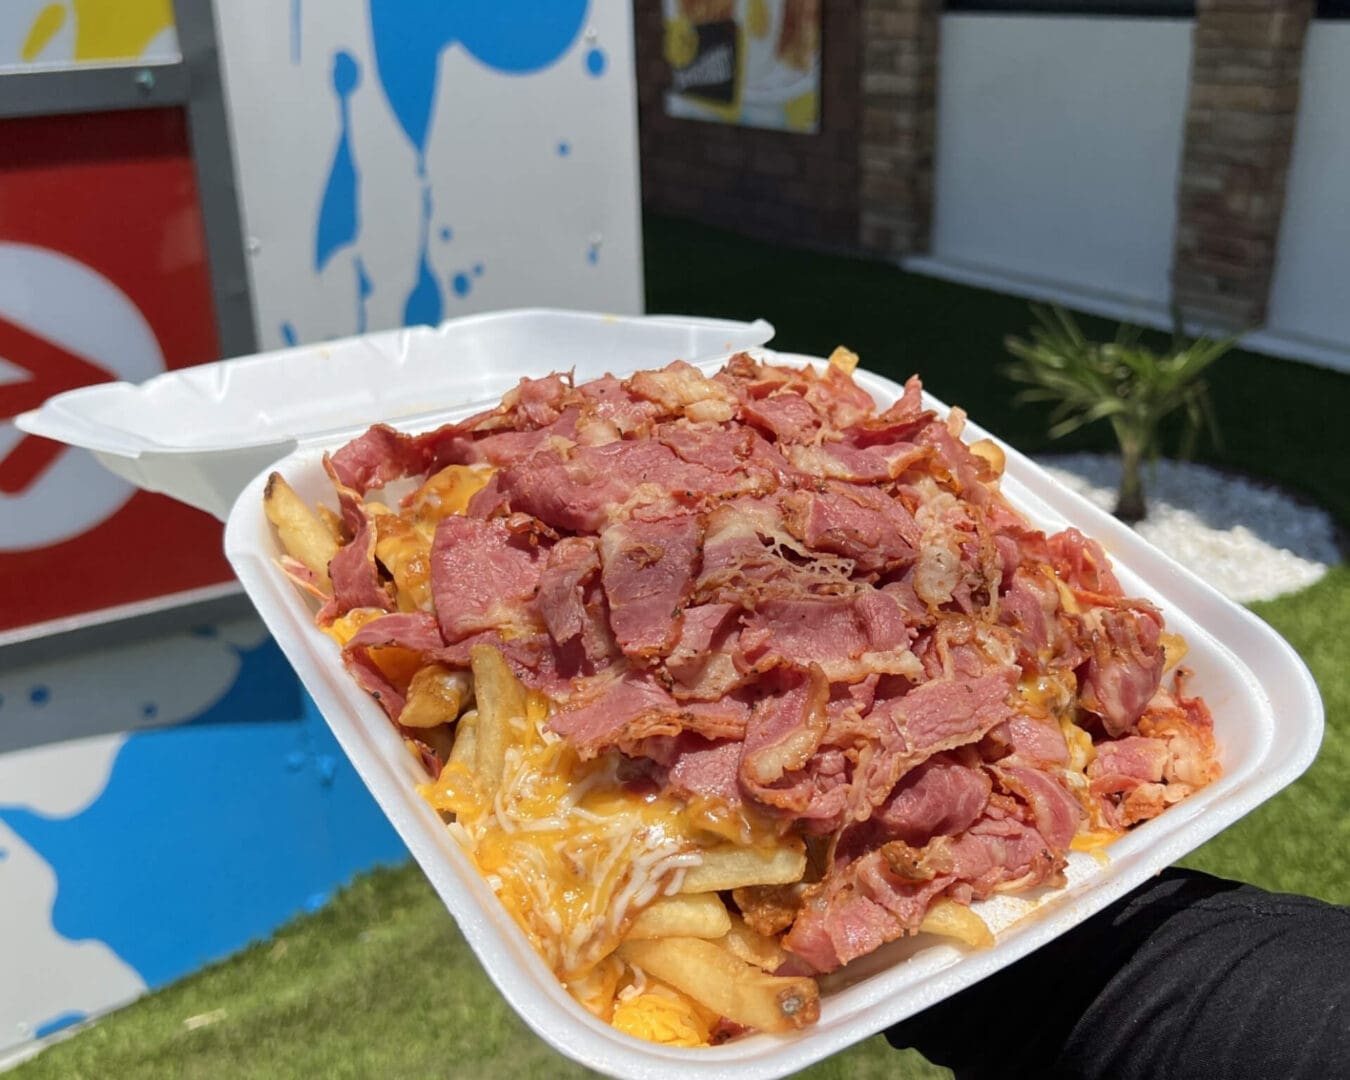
1121	381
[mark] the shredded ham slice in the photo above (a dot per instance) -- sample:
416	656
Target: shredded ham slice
761	592
483	575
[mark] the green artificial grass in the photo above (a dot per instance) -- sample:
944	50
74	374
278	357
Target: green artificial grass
1299	841
377	984
380	983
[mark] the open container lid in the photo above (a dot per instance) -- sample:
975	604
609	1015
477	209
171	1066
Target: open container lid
200	434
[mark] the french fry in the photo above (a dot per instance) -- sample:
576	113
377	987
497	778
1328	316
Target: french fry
731	867
844	359
302	534
699	915
332	521
435	696
500	698
991	452
729	986
754	948
947	918
1174	650
465	750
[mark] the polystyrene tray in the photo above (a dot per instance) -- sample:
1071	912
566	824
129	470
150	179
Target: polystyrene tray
200	433
1268	722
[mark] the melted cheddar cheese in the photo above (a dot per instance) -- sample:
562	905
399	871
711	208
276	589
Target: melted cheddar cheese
572	852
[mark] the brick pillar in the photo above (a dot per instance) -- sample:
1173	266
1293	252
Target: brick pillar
899	99
1239	132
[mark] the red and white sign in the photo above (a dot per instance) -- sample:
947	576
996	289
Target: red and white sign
103	275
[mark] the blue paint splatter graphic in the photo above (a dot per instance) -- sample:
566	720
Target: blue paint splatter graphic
339	212
58	1023
364	288
477	269
206	630
461	284
4	854
424	303
593	255
596	62
512	36
408	37
149	710
295	31
288	337
446	234
564	148
40	695
227	837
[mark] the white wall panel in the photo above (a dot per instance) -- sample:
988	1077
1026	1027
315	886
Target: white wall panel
1312	266
1058	148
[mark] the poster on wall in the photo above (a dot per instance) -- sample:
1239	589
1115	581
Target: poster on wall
440	159
753	63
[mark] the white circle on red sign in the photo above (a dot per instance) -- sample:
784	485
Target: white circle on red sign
62	325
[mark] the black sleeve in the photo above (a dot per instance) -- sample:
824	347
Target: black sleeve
1189	976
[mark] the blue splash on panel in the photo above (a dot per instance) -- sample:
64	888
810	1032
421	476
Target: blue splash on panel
477	269
564	148
40	695
364	289
424	304
58	1023
512	36
515	37
596	62
339	211
208	835
446	234
461	284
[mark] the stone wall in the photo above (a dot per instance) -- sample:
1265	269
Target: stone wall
797	188
1239	133
898	76
865	181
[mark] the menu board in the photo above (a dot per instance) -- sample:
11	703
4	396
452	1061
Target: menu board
755	63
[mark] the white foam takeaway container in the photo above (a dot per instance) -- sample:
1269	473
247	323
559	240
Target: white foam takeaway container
1268	721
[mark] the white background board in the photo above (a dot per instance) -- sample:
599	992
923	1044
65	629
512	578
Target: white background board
1058	149
1312	264
527	118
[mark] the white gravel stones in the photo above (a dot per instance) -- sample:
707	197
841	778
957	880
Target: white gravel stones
1248	540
